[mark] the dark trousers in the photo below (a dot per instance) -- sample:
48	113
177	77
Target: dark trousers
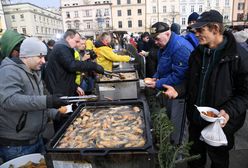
219	156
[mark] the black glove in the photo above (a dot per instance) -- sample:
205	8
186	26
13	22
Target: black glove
53	101
99	69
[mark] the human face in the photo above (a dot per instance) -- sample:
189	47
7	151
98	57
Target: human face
162	39
205	36
34	63
107	40
145	39
81	45
73	41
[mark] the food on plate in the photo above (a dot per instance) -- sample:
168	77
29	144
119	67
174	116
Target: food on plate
41	164
209	114
148	80
63	109
105	127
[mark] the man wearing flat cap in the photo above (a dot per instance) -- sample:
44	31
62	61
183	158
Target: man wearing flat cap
172	56
217	77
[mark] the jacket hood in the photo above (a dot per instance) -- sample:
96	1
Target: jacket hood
99	44
8	42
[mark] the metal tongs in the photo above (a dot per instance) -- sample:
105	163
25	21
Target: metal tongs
111	74
73	99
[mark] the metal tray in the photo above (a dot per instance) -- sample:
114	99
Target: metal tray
119	81
104	151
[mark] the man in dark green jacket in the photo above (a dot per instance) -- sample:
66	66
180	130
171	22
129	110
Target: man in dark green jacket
10	44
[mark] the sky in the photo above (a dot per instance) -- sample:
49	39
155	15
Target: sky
41	3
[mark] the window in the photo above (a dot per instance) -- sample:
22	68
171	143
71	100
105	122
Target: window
128	1
138	1
87	13
22	16
129	23
139	23
240	17
68	15
15	29
88	25
129	13
118	12
183	9
76	24
37	29
217	2
172	8
226	17
13	17
106	12
200	8
107	24
226	2
164	9
75	14
69	26
241	6
118	2
119	24
154	9
139	11
183	21
34	17
98	13
192	8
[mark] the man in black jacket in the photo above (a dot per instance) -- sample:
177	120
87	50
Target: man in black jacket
62	66
218	78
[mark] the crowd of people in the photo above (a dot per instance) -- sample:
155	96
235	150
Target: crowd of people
207	66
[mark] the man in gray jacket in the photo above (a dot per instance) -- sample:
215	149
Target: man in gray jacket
23	107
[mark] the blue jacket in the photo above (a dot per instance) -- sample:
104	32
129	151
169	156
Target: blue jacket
173	61
192	39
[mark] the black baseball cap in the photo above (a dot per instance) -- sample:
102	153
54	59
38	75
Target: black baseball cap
211	16
159	27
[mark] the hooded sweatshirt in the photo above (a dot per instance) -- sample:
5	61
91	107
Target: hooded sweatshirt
21	93
9	40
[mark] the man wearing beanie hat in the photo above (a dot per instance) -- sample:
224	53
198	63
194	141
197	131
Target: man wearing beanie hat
190	36
217	78
23	107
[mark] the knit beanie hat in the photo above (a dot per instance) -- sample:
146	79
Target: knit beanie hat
31	47
193	17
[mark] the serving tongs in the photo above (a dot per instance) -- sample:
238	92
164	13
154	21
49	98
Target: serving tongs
75	99
111	74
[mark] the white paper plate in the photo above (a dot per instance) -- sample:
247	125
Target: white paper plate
207	118
22	160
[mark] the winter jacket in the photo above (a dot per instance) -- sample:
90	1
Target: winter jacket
192	39
227	86
106	56
61	70
9	40
21	92
172	61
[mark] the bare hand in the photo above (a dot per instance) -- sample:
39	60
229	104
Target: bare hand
151	84
170	92
85	57
225	115
80	91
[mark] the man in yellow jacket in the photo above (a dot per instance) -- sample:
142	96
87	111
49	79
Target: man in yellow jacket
105	54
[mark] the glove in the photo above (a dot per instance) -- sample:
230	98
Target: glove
132	59
61	116
99	69
53	101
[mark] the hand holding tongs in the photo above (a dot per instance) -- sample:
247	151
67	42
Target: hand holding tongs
73	99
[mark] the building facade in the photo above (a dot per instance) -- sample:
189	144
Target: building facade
32	20
129	15
240	12
2	21
87	17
